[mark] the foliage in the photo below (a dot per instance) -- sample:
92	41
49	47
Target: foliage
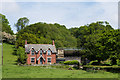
6	37
61	62
71	62
107	63
21	55
42	33
22	23
91	62
5	24
99	39
118	62
78	53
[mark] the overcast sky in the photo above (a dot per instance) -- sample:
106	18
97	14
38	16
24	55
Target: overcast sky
70	14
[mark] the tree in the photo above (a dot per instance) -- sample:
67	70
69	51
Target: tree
8	38
5	24
21	55
43	33
96	39
22	23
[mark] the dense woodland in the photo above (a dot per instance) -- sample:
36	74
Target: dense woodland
98	40
43	33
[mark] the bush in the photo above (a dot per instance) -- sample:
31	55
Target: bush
118	62
93	62
71	62
75	67
106	64
8	38
61	62
113	60
21	55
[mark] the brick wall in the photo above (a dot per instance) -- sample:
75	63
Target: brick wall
45	56
29	56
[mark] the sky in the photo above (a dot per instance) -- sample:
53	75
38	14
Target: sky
71	14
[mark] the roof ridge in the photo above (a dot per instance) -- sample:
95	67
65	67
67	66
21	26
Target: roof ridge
40	44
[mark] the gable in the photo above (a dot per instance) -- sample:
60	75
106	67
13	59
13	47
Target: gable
38	47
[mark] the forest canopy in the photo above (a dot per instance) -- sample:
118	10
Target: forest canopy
98	39
43	33
5	24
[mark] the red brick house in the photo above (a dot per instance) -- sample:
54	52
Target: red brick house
40	53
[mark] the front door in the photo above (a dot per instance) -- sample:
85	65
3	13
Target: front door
40	60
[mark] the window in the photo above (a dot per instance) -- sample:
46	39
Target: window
32	52
32	60
49	52
49	60
40	52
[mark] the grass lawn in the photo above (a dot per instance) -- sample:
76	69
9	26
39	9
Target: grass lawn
11	70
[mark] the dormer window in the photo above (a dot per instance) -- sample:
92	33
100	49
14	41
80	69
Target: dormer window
49	52
32	52
40	52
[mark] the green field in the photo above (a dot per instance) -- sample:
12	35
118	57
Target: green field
11	70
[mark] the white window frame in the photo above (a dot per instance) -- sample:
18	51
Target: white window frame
32	52
50	58
31	58
40	52
50	52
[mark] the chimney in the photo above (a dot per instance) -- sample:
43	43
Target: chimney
25	42
53	43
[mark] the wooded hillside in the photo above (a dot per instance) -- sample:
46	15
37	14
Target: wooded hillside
43	33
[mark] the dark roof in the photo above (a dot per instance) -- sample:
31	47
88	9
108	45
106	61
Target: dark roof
37	47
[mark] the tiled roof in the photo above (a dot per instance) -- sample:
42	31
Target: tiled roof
37	47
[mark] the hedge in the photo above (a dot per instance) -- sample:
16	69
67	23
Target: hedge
71	62
118	62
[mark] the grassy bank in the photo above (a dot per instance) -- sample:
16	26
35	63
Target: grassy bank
11	70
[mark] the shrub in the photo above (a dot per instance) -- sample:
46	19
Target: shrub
113	60
21	55
118	62
61	62
8	38
106	64
71	62
93	62
75	67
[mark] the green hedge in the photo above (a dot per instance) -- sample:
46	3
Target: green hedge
97	63
71	62
118	62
